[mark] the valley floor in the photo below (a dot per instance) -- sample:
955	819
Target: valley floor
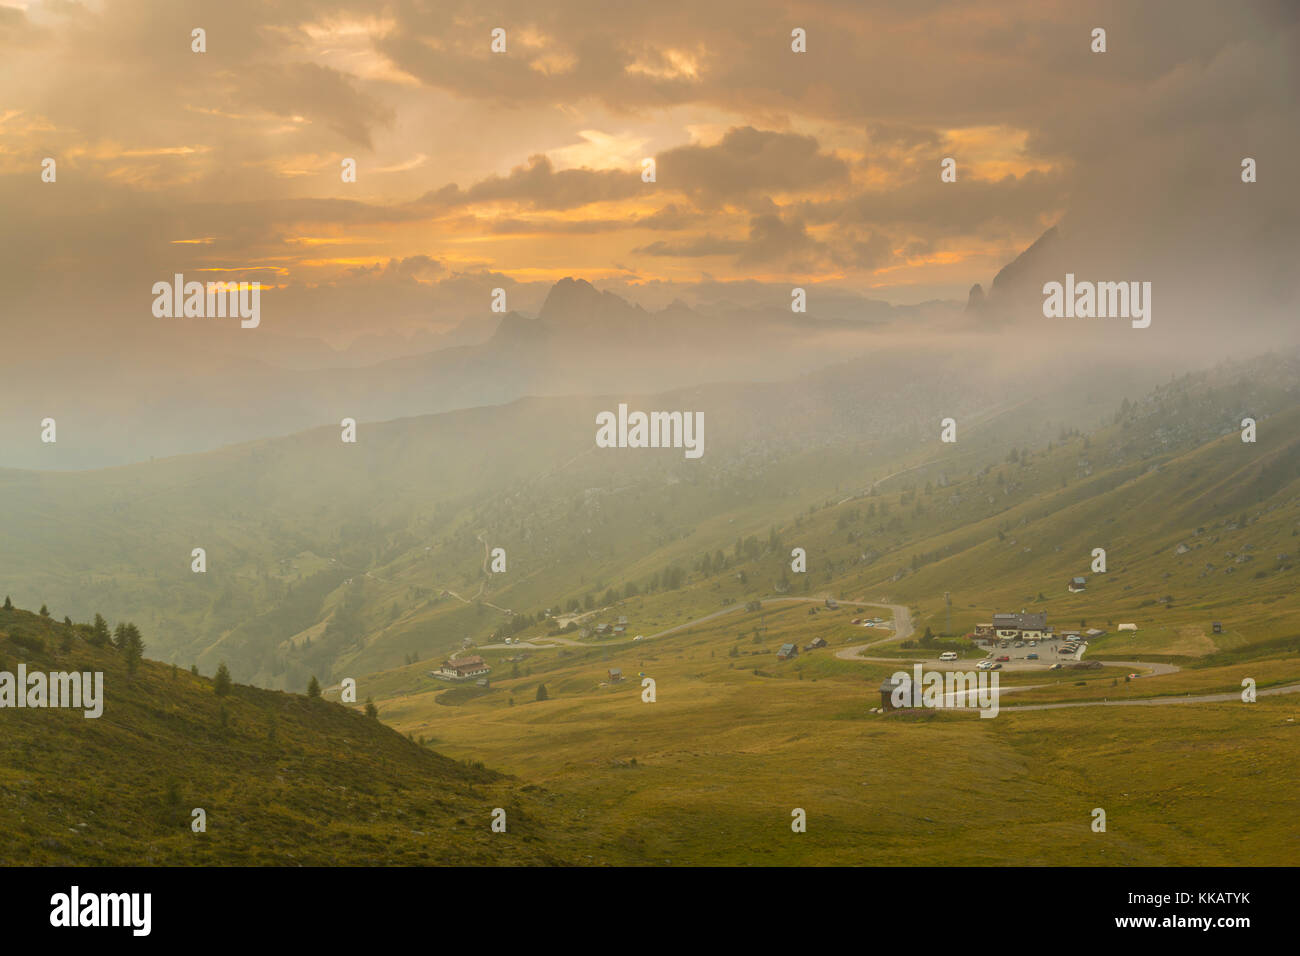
735	742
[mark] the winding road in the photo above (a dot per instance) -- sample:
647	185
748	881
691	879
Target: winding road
903	629
902	620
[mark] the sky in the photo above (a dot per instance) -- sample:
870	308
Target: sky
478	170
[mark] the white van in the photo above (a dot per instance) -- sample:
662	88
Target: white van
948	656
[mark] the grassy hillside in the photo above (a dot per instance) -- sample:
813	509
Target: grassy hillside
342	559
284	780
1198	526
327	557
372	565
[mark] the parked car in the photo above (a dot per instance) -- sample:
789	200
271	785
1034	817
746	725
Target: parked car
1031	657
1018	644
948	656
1033	643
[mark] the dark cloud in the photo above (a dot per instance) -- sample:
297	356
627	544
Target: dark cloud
829	160
315	93
539	185
749	161
707	245
773	240
969	206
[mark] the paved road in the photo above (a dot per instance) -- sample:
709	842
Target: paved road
545	642
902	631
766	601
902	617
1158	701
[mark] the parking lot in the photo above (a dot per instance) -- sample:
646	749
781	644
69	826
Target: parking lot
1049	652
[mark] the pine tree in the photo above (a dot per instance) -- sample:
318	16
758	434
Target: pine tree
133	649
221	683
45	611
99	634
541	692
9	605
371	709
313	687
127	639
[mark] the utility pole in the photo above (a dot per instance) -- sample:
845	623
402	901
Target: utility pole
947	599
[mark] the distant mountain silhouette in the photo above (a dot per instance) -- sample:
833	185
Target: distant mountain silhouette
583	341
577	304
1011	278
1018	285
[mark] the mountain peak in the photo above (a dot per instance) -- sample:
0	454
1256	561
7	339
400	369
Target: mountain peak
1022	265
568	294
576	302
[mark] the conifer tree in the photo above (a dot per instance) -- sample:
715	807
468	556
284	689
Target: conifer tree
99	634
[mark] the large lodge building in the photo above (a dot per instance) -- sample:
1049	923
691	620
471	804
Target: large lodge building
463	668
1022	626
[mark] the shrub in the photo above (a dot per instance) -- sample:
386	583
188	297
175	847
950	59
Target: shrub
29	641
